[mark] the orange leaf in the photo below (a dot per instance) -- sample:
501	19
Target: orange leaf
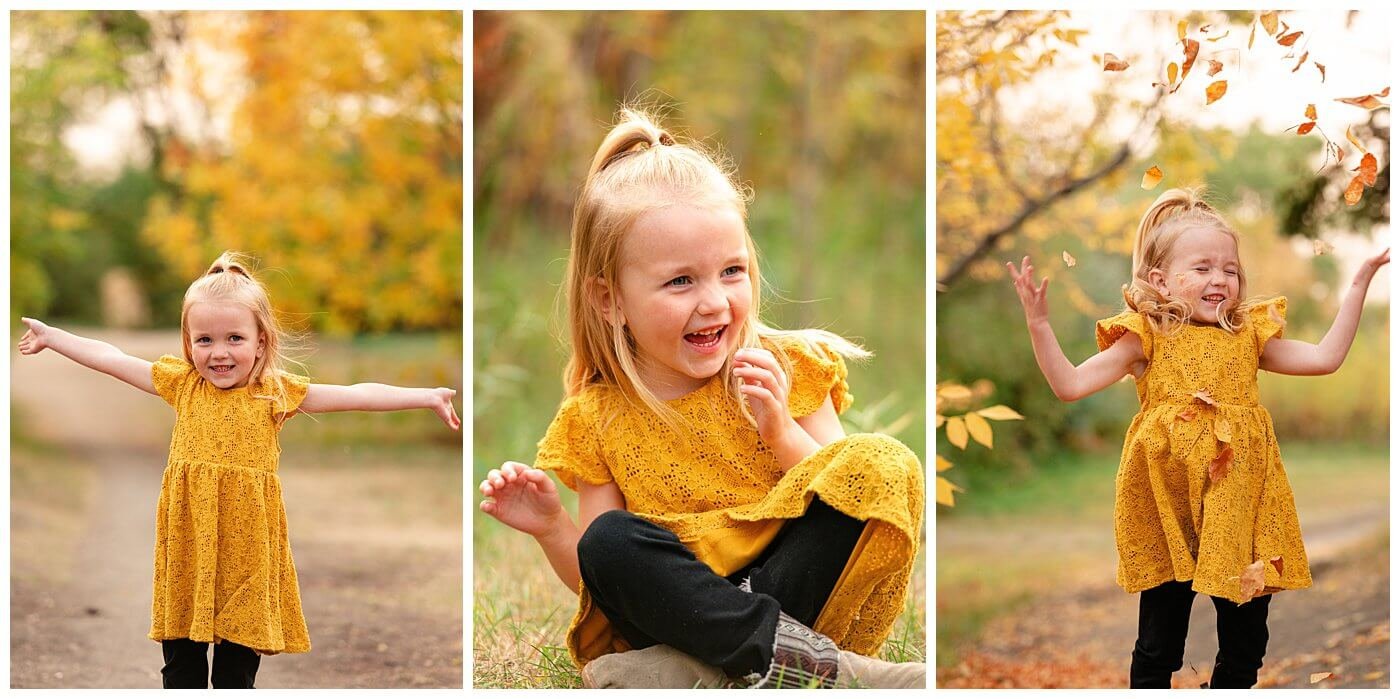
1300	62
1068	258
1306	127
1318	677
1354	190
1277	562
979	428
1193	47
1000	412
1112	62
1181	29
1214	39
1269	20
1367	170
1220	465
945	490
957	432
1171	73
1321	69
1366	101
1152	177
1187	414
1289	39
1250	45
1203	396
1354	141
1215	66
1216	90
1222	429
1311	112
1252	579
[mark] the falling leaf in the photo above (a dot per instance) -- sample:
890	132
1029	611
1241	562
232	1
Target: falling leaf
1000	412
1321	69
1354	190
943	464
1300	63
1193	47
1205	28
945	491
1367	170
979	428
1318	677
1250	45
1181	29
1215	66
1187	414
1216	90
1220	465
1269	20
1222	429
1152	177
1311	112
1305	128
1203	396
1171	73
1355	141
1277	562
1068	258
957	432
1214	39
1366	101
1112	62
1252	580
1289	39
1321	247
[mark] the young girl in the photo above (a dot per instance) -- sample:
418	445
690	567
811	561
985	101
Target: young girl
223	565
723	512
1202	504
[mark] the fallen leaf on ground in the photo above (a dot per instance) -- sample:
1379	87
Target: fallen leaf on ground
1112	62
1216	90
1068	258
1318	677
1220	465
1152	177
1373	676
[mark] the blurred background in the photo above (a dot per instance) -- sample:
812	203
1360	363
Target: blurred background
823	114
1042	152
328	145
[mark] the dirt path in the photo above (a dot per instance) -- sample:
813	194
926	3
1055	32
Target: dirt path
1083	637
381	586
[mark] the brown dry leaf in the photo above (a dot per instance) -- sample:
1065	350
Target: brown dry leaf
1354	190
1269	20
1222	429
1321	247
1305	128
1366	101
1218	38
943	464
1318	677
1187	414
1220	465
1354	141
945	490
1252	580
1215	66
1277	562
1181	30
1321	69
1171	73
957	432
1216	90
1193	47
1203	396
1289	39
979	428
1152	177
1000	412
1311	112
1300	63
1367	170
1112	62
1068	258
1250	45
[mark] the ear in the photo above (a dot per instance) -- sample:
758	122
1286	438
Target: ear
605	301
1158	279
262	342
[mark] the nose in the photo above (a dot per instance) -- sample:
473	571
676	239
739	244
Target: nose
712	300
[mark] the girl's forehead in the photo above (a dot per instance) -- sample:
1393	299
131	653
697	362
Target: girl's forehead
213	315
681	232
1204	241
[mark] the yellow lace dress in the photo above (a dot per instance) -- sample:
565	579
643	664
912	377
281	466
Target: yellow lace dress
718	487
1172	520
223	564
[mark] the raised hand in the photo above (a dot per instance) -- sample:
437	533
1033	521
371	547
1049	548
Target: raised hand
763	384
1033	298
35	338
522	498
442	405
1371	266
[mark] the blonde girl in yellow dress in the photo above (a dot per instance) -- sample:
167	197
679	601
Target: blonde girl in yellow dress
1203	503
728	529
223	565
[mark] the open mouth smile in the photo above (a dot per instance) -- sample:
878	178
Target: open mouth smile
706	339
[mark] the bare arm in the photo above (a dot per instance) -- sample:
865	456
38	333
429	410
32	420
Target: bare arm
1070	382
329	398
93	354
1305	359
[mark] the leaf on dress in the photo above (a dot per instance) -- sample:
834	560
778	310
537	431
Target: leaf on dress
1068	258
1216	90
1000	412
979	428
1252	580
1222	429
1220	465
957	432
1152	177
1114	63
1277	562
1187	414
1203	396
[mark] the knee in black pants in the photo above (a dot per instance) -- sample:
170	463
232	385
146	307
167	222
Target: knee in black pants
1243	633
605	544
235	666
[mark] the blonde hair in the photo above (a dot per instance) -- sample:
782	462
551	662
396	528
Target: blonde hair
230	280
640	167
1173	213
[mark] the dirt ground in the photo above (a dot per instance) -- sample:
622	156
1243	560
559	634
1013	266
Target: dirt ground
377	542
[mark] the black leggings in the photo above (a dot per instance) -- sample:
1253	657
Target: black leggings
187	665
654	591
1163	615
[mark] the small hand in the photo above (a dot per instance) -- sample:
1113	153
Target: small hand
1371	266
1033	299
521	497
763	384
442	405
35	338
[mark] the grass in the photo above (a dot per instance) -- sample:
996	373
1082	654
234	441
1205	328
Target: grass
1054	528
50	490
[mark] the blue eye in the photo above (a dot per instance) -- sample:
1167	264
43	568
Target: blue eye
733	270
201	341
236	338
679	281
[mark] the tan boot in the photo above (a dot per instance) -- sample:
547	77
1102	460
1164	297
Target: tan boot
803	658
657	667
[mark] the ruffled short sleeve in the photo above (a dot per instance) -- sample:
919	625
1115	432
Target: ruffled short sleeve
817	372
293	392
169	374
1108	330
572	446
1268	319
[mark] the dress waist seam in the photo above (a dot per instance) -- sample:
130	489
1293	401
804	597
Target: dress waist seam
200	462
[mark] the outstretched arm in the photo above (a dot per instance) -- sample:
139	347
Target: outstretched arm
1070	382
330	398
1305	359
93	354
